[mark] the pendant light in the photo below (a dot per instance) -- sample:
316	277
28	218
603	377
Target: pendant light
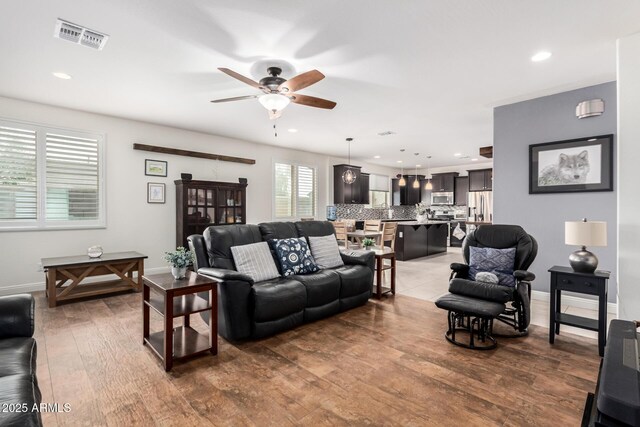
349	176
428	185
402	182
416	184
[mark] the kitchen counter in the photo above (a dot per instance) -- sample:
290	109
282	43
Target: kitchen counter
478	222
419	239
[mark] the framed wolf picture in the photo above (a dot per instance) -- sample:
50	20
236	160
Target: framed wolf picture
574	165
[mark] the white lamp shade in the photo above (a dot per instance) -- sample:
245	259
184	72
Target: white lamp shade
585	233
274	101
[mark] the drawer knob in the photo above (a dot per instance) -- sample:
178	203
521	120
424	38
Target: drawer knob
565	281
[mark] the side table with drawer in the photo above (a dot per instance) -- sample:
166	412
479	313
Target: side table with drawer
565	279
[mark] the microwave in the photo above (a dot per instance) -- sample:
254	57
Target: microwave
445	198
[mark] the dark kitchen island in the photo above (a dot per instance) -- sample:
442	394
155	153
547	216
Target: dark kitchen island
419	239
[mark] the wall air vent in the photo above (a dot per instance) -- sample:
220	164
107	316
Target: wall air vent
386	133
80	35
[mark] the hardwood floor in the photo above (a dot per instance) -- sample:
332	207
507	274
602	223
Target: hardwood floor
386	363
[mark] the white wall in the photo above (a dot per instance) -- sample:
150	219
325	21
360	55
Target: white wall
132	224
628	196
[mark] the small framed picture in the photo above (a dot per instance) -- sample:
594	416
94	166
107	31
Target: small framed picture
155	167
155	192
575	165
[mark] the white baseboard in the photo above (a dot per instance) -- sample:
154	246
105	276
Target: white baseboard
571	301
26	288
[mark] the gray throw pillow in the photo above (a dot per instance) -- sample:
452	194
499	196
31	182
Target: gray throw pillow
255	260
325	251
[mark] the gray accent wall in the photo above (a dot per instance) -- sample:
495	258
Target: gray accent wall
547	119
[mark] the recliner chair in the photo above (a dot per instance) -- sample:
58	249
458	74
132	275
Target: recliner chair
484	301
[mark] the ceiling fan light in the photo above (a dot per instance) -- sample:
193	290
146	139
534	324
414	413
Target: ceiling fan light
274	101
349	176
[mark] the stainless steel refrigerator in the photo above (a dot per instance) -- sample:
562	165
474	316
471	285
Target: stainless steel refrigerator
480	206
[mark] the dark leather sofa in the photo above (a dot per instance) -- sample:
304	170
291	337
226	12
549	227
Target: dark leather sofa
19	390
255	310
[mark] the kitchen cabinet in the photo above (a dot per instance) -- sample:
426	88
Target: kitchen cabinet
437	238
461	190
417	240
344	193
443	182
364	188
425	195
481	180
200	204
406	195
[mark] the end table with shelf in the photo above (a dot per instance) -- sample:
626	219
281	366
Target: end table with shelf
173	298
565	279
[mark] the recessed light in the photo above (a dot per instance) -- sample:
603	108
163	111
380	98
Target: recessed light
474	160
592	139
63	76
376	157
541	56
418	166
399	161
457	154
292	130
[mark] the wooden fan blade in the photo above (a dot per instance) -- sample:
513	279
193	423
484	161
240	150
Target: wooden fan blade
301	81
240	77
236	98
311	101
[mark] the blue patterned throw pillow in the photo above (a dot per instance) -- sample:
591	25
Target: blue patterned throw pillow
294	256
497	261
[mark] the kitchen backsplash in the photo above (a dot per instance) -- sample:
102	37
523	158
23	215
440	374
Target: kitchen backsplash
364	212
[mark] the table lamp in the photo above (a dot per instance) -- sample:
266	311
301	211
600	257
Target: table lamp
584	233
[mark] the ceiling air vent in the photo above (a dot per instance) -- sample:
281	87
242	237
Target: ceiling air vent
80	35
386	133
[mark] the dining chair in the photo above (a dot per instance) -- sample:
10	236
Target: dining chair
373	225
341	233
389	230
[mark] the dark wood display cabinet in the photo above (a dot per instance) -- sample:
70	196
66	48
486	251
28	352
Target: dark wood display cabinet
481	180
461	190
200	204
356	193
443	182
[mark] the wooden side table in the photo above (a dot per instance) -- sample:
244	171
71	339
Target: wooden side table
178	298
565	279
382	254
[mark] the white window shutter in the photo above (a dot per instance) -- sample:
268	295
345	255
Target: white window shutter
18	174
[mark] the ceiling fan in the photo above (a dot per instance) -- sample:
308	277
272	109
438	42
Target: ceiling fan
279	92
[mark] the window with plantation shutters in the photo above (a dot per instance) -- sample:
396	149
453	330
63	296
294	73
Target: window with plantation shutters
72	178
50	178
294	191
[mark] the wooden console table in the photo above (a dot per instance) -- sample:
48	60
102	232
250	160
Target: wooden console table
60	270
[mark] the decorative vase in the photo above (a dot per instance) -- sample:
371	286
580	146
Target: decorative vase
94	252
178	272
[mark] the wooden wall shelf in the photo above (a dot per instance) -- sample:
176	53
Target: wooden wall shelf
188	153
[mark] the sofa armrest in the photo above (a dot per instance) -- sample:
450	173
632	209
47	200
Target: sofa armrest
481	290
225	275
366	258
524	275
199	249
17	316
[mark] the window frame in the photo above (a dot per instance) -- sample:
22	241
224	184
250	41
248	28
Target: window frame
41	223
297	164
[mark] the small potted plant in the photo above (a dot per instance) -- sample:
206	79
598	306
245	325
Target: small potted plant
368	242
179	259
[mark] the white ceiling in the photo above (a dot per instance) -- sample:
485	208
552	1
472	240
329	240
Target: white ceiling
429	70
